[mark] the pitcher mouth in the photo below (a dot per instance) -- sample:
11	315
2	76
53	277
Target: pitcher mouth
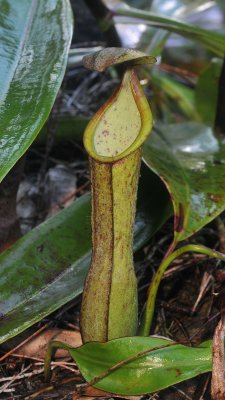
121	125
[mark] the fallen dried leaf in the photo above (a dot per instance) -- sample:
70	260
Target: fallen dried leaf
37	346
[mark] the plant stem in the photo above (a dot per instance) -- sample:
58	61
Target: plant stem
168	259
52	347
218	370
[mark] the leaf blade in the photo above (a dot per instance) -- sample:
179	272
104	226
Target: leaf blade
190	160
158	369
33	62
214	41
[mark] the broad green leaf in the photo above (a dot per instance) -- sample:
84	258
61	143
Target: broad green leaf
213	41
221	4
207	92
190	160
153	207
154	39
35	39
181	94
47	267
178	8
183	7
147	373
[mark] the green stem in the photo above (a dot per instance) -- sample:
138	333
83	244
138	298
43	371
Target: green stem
168	259
52	347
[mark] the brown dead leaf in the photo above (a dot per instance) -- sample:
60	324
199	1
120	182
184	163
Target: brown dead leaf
37	346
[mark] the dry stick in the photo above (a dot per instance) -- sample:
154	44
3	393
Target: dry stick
21	375
181	266
51	387
41	360
182	393
184	73
198	332
25	341
218	371
13	379
202	387
67	198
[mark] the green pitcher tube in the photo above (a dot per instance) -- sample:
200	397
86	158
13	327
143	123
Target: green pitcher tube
113	140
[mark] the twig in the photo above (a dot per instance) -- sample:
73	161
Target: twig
41	360
22	376
22	343
218	371
51	387
61	204
14	378
184	395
